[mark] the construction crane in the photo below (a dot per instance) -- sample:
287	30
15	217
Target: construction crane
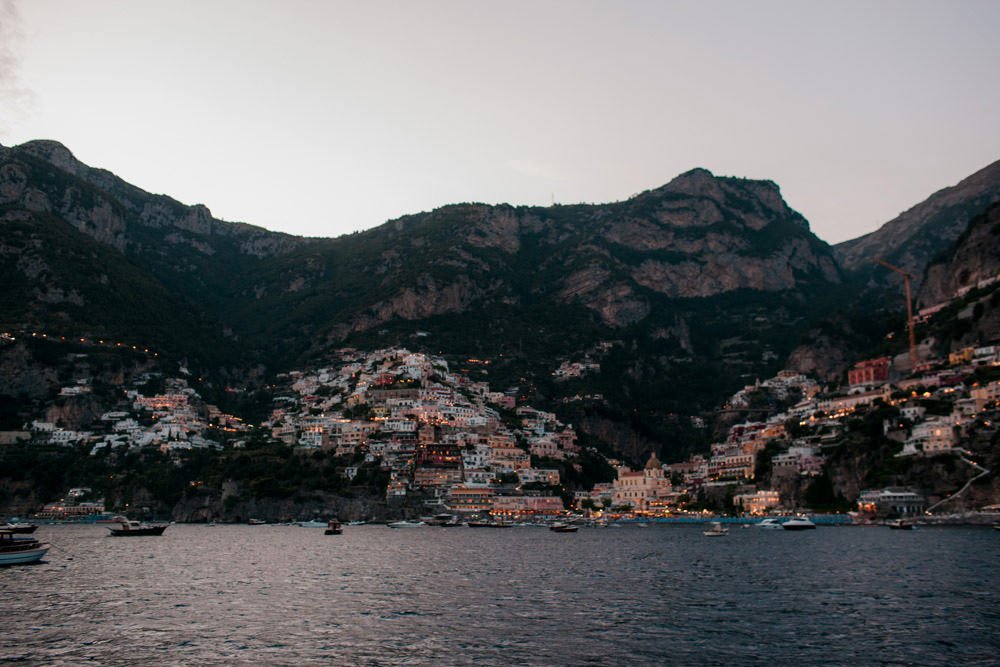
909	310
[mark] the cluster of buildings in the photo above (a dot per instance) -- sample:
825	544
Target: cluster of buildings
175	418
956	404
467	447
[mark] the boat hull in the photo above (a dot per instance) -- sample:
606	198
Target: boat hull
23	557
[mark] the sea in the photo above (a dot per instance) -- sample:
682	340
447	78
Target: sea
654	595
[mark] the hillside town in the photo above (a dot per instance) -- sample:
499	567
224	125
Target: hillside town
461	446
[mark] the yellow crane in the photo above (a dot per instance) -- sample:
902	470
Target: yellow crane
909	310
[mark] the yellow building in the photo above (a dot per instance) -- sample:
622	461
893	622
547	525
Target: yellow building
642	489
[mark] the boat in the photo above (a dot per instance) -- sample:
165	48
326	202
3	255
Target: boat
406	524
563	528
715	529
489	524
132	528
443	520
770	524
798	523
313	524
20	528
899	524
333	527
20	550
256	522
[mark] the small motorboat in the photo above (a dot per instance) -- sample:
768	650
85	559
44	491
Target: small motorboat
132	528
256	522
798	523
312	524
406	524
770	524
20	550
333	527
563	528
899	524
715	529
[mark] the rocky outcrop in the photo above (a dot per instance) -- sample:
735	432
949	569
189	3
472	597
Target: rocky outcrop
974	258
104	206
916	236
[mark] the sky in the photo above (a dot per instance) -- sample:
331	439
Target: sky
320	118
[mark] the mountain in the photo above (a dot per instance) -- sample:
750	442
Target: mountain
966	277
912	239
680	294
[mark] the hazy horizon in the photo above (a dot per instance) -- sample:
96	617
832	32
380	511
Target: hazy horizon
320	119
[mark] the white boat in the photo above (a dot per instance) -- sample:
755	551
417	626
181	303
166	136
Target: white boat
406	524
20	550
770	524
715	529
798	523
312	524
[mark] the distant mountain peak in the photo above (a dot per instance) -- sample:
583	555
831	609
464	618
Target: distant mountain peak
54	152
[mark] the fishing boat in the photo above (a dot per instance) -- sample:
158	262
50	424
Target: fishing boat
132	528
20	550
333	527
715	529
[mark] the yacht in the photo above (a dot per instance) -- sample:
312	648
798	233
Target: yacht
770	524
798	523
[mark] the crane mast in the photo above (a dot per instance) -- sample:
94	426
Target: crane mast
909	310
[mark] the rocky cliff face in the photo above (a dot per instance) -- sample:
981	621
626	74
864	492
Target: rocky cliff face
105	208
698	236
973	257
917	235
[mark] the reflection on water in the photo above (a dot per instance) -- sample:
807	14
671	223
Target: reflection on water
203	595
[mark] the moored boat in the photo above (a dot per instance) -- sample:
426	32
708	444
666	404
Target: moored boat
443	520
798	523
715	529
770	524
20	528
899	524
20	550
560	527
406	524
132	528
312	524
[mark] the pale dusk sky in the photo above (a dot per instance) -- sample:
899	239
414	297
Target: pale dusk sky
320	117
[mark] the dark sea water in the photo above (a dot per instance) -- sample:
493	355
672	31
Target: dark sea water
663	595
